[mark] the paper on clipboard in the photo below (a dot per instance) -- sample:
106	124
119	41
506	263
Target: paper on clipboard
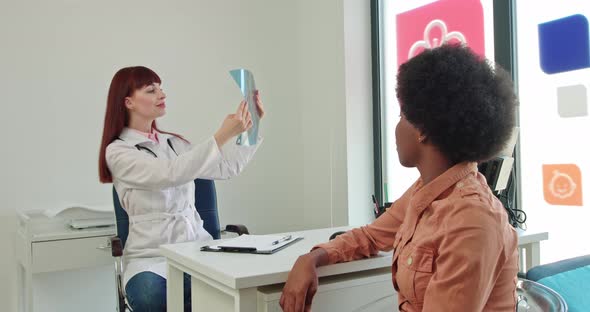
257	243
245	81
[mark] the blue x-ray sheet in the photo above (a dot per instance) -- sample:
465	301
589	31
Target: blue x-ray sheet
245	81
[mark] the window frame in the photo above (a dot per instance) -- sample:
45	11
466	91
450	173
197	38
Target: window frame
505	51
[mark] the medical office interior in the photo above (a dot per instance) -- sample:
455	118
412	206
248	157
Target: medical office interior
326	73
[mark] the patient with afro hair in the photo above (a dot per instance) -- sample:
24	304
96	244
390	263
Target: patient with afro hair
462	105
453	247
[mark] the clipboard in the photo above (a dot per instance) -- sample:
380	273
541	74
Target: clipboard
254	244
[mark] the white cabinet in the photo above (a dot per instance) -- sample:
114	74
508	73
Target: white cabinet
45	245
69	254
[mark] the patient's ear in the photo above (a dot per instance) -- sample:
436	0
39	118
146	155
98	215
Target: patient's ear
422	138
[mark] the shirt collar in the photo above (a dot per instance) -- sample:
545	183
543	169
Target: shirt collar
134	137
425	194
150	135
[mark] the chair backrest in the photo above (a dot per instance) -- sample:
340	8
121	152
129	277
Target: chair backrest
121	219
205	202
567	277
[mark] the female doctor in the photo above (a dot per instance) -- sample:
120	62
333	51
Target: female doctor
153	173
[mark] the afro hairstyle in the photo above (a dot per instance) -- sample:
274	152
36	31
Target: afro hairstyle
465	107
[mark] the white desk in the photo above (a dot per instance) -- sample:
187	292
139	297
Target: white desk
529	248
48	244
247	282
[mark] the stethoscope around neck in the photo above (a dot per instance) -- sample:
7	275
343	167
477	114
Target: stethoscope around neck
139	147
143	148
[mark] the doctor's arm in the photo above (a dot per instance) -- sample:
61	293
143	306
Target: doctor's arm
236	157
140	170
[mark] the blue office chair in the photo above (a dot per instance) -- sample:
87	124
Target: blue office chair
206	205
569	278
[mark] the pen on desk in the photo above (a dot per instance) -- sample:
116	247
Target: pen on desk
282	239
376	205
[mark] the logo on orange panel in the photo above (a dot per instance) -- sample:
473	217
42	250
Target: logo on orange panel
562	184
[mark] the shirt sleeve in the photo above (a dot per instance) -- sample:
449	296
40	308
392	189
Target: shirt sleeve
235	158
367	240
468	261
140	170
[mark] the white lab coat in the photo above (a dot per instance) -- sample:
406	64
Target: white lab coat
158	193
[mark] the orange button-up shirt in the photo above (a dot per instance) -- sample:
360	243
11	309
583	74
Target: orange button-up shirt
454	248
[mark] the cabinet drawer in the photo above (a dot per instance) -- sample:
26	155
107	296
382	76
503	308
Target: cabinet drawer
69	254
369	291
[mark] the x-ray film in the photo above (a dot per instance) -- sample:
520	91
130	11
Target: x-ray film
245	81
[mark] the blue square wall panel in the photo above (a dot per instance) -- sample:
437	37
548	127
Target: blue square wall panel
564	44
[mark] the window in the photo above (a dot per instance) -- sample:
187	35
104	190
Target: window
553	62
405	28
546	47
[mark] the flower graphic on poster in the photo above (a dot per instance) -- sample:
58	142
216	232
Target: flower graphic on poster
433	24
429	43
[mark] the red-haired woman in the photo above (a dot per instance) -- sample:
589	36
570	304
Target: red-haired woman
153	173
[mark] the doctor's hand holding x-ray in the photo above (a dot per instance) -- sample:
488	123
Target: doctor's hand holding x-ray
239	122
153	172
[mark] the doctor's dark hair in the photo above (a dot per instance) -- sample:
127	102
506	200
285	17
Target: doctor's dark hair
116	118
458	101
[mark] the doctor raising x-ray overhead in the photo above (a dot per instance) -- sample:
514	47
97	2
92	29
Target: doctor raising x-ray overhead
245	81
153	173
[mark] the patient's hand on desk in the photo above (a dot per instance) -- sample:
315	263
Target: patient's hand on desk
302	282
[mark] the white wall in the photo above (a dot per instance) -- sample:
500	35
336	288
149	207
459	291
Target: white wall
58	59
335	76
359	111
322	99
